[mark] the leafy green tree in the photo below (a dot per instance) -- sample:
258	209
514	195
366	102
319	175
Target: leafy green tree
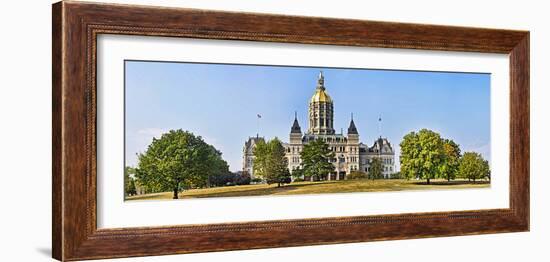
216	167
278	163
315	159
451	160
298	174
129	181
261	159
375	169
473	166
284	178
410	152
421	155
270	162
179	160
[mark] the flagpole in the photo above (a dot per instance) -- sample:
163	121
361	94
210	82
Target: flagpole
380	125
258	116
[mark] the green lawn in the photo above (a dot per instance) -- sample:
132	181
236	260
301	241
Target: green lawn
322	187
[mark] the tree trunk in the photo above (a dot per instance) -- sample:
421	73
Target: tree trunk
428	179
278	184
175	193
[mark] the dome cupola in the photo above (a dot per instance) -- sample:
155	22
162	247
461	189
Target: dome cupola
321	115
320	94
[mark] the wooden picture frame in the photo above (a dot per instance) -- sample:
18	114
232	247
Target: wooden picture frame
76	26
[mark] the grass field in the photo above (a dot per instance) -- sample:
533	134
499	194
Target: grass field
322	187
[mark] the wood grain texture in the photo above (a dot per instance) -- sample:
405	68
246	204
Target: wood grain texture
76	26
519	130
57	215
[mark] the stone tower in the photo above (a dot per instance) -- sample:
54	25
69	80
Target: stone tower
295	146
353	147
321	114
295	131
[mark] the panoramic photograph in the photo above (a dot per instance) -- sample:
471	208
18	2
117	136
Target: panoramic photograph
204	130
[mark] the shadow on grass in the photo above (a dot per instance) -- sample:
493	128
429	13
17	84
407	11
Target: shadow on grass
257	191
451	183
320	187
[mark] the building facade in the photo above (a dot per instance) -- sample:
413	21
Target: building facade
351	155
248	154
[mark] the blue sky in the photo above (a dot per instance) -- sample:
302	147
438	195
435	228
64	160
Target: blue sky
221	102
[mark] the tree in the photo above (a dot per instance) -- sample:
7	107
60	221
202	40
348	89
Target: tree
375	169
421	154
298	174
261	159
270	162
278	163
129	181
316	156
410	152
473	166
284	178
217	167
179	160
451	160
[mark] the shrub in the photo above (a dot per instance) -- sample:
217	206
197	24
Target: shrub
256	180
242	178
396	175
222	179
357	175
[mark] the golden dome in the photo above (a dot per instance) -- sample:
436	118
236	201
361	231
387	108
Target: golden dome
320	96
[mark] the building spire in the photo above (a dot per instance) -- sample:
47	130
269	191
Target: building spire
295	129
321	81
352	129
